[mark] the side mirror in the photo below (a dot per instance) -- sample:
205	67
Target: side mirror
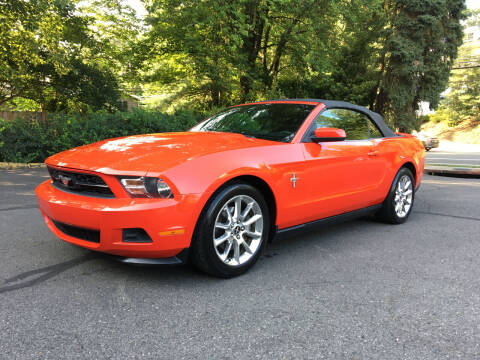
329	134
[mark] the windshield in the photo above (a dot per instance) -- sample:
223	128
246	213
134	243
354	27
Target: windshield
274	121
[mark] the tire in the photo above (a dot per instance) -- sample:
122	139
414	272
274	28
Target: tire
428	148
391	211
224	243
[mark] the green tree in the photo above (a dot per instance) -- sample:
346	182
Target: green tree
115	28
231	51
420	46
47	55
385	54
462	101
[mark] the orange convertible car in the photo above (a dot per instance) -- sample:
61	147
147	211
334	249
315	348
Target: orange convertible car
215	195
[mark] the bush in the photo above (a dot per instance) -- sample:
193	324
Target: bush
33	141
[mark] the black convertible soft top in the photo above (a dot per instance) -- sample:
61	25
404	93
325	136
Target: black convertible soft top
334	104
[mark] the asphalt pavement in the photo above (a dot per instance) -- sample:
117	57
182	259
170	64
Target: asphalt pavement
360	290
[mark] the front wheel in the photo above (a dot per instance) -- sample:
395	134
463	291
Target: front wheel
399	203
231	231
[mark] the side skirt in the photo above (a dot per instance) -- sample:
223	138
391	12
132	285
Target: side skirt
287	232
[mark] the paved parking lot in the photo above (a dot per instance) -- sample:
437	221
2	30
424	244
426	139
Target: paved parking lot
360	290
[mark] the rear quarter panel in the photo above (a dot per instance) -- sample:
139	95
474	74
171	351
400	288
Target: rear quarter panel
398	151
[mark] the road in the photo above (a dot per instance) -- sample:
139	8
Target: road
361	290
435	156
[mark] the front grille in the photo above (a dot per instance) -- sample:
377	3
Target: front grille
78	232
80	183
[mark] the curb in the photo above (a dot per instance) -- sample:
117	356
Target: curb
452	171
11	166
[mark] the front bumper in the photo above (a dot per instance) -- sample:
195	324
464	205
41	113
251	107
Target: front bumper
168	222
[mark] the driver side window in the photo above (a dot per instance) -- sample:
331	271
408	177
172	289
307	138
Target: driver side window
355	124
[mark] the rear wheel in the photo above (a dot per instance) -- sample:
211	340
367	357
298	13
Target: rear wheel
397	206
231	232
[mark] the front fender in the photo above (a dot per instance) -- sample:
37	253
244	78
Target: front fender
204	175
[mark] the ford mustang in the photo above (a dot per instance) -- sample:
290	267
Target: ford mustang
215	195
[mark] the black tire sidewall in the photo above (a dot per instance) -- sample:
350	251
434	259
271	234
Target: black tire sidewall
206	227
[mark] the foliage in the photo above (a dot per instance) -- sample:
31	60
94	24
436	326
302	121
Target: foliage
33	141
48	55
420	46
385	54
115	28
76	56
225	52
462	101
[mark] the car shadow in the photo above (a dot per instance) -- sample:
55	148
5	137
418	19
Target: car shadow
277	255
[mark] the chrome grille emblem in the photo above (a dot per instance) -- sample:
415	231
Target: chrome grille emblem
64	179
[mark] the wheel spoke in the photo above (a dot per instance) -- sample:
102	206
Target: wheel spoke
247	248
238	207
221	239
229	215
408	183
236	252
252	220
226	251
397	207
221	225
253	235
247	210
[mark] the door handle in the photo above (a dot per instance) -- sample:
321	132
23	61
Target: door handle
373	153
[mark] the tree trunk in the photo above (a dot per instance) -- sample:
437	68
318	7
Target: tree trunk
274	67
251	46
245	87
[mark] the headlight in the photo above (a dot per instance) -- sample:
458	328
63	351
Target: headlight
146	187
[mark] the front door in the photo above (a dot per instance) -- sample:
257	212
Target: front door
342	176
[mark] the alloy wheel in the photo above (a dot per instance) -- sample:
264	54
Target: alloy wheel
238	231
403	196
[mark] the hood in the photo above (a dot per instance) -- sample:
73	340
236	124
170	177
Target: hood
139	154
